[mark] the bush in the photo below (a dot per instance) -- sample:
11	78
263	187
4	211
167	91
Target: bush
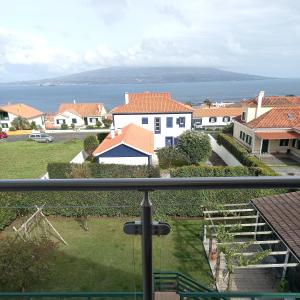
90	127
172	157
101	136
90	144
64	127
107	123
20	123
195	145
12	128
25	264
228	129
58	170
33	125
0	129
98	124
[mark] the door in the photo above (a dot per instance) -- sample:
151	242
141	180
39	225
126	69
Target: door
85	121
265	146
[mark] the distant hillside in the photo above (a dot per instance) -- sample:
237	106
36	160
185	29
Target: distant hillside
147	75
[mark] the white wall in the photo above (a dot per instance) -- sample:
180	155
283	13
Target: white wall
68	116
39	121
124	160
219	121
121	121
79	158
227	157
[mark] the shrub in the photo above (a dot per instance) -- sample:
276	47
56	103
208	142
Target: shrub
33	125
24	264
90	144
64	127
79	171
101	136
107	123
0	129
73	126
98	124
90	127
20	123
228	129
12	128
243	155
195	145
172	157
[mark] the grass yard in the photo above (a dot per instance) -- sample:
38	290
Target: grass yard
28	159
106	259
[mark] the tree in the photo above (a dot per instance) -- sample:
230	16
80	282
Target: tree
172	157
25	263
0	129
195	145
208	102
98	124
90	144
33	125
20	123
233	252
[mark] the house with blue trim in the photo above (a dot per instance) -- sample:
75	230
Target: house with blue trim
131	145
156	112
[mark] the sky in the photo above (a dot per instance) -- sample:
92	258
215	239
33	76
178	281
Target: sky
48	38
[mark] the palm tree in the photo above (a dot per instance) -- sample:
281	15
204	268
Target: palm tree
20	123
208	102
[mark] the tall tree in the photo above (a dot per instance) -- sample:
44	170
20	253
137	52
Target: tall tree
20	123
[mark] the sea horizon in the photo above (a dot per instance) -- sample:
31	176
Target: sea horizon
47	98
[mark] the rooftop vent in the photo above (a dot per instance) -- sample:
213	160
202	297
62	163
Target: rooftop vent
290	116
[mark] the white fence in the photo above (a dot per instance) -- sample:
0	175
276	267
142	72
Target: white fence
227	157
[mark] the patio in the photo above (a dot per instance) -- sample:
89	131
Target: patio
282	163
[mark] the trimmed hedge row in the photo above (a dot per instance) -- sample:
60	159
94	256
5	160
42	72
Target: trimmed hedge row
62	170
243	156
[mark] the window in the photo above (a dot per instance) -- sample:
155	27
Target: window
181	121
157	125
60	121
93	120
294	143
284	143
242	135
74	121
169	141
175	141
4	125
212	120
226	119
169	122
248	139
144	120
298	144
243	116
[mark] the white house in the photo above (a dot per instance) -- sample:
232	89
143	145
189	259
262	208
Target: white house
9	112
131	145
79	114
215	116
269	125
156	112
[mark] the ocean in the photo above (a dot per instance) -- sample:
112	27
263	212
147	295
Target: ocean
48	98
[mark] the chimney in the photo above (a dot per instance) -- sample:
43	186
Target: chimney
112	133
119	131
126	98
259	104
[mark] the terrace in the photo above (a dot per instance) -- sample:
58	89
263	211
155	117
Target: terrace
163	284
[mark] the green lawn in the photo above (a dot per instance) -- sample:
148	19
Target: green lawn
28	159
101	259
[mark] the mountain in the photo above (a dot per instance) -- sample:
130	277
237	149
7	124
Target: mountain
150	75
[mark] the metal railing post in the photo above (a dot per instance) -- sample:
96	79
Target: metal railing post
146	216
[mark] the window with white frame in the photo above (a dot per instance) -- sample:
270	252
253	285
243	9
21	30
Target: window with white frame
60	121
226	119
212	120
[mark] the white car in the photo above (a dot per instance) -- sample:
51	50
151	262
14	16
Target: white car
41	137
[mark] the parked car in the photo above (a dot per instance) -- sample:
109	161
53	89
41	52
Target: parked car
3	135
198	125
41	137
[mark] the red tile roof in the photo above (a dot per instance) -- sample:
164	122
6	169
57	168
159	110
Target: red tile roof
217	112
282	213
22	110
274	101
133	136
285	117
149	102
279	135
82	109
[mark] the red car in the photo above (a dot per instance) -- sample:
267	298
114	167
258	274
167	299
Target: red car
3	135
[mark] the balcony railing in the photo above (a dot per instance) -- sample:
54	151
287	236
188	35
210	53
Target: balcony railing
177	283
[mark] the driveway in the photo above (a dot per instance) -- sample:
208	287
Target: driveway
58	137
283	164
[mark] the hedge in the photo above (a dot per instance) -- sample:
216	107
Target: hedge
243	156
101	136
61	170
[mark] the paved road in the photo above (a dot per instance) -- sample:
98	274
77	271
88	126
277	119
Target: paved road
58	137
